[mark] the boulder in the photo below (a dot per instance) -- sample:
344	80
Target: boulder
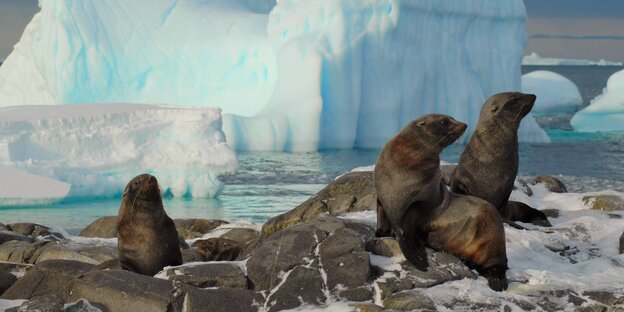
104	227
6	280
126	291
82	251
21	251
81	306
351	192
7	236
622	243
218	249
52	277
523	186
604	202
222	300
194	228
31	229
384	246
221	275
246	237
44	303
191	255
409	301
302	286
552	184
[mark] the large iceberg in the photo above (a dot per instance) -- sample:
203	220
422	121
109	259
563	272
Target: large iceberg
606	111
18	188
297	75
555	93
97	149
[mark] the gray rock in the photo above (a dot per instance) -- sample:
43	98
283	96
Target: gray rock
604	202
366	307
49	277
523	186
7	236
20	251
351	192
81	306
303	286
347	264
31	229
222	300
6	280
191	255
126	291
605	297
222	275
409	301
384	246
44	303
622	243
4	227
104	227
552	184
77	251
194	228
282	252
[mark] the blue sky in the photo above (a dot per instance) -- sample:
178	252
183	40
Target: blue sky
590	29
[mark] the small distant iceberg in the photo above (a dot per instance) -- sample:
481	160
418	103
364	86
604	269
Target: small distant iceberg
555	93
536	60
606	111
20	188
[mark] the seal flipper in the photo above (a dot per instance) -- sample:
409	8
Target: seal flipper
518	211
496	278
384	228
413	249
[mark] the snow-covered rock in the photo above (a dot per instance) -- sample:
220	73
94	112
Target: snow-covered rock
97	149
298	76
555	93
606	111
534	59
18	188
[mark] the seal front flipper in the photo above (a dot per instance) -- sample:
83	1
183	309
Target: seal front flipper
384	228
413	249
496	278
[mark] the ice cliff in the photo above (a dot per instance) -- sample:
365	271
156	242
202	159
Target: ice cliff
97	149
297	75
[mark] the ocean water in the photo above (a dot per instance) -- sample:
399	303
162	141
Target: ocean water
268	184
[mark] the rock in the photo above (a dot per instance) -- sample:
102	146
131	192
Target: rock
447	173
622	243
607	298
6	280
523	186
347	264
218	249
552	184
222	300
604	202
222	275
81	306
246	237
104	227
281	252
4	227
77	251
126	291
44	303
352	192
409	301
366	307
194	228
7	236
191	255
384	246
31	229
303	286
49	277
20	251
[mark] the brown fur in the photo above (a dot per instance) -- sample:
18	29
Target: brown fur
146	237
218	249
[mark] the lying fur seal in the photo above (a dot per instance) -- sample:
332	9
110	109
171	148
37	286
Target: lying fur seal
413	203
489	164
146	237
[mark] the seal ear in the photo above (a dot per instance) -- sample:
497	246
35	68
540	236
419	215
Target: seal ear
422	123
494	109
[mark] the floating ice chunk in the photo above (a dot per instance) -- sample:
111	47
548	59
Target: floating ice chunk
99	148
606	111
555	93
18	188
535	59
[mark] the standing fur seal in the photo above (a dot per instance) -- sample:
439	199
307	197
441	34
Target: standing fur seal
413	203
489	164
146	237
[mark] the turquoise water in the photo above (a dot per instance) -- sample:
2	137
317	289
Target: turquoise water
268	184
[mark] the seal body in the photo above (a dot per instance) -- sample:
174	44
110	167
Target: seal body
147	239
489	164
414	204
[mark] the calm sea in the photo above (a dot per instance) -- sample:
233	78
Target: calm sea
271	183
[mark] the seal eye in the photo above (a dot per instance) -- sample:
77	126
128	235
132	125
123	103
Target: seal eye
422	123
444	122
494	109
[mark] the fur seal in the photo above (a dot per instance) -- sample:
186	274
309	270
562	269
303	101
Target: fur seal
413	202
146	237
489	164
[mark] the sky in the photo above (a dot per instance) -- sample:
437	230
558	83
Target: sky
586	29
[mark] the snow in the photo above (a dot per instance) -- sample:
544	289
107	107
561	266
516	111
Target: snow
18	188
606	111
535	59
297	75
555	93
97	149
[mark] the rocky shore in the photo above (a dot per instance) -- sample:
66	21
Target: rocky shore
323	255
